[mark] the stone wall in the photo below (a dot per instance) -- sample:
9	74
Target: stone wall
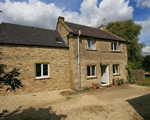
24	58
102	54
138	74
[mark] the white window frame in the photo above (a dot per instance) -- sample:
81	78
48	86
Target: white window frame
91	70
117	46
42	76
92	44
114	66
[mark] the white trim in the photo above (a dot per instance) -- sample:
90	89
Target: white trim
42	76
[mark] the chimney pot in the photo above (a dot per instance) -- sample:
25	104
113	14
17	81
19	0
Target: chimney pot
61	19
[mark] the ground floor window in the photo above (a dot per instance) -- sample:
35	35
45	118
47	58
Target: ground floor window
91	71
42	70
115	69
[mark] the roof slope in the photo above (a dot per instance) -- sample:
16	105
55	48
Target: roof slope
25	35
92	32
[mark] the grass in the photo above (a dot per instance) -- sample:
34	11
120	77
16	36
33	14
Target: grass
148	78
145	83
68	97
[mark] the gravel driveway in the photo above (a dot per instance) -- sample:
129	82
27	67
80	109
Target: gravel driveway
127	102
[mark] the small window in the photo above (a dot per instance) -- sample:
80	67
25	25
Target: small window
59	40
90	44
42	70
91	71
115	46
115	69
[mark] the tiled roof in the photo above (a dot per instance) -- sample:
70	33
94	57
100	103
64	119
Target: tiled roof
25	35
92	32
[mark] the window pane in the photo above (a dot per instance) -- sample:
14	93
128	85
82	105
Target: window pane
93	70
38	70
93	44
112	46
115	46
118	46
45	69
116	68
88	42
113	68
88	70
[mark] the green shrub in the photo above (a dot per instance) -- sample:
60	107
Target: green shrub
122	81
132	80
113	80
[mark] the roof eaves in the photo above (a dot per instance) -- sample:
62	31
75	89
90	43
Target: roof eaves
115	35
101	38
34	45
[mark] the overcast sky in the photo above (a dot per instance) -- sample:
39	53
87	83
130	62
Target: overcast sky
44	13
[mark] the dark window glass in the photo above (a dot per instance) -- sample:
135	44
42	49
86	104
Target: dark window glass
111	46
113	68
116	68
93	70
38	70
45	69
88	70
115	46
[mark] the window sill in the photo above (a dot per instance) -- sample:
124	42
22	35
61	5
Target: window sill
91	50
41	78
116	74
116	51
91	77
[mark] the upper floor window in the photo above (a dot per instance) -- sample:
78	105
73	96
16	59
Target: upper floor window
42	70
115	46
91	44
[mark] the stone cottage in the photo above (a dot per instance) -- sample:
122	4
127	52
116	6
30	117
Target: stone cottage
48	59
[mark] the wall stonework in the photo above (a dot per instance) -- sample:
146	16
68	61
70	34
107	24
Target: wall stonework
24	58
138	74
63	31
102	54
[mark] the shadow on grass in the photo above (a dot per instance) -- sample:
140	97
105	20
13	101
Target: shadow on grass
32	114
141	105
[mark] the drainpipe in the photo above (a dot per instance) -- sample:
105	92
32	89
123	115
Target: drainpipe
79	75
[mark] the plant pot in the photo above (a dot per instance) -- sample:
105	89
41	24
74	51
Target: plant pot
94	86
115	83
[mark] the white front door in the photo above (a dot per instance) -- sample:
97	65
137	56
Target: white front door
105	75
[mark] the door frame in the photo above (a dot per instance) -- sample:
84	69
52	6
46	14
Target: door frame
107	70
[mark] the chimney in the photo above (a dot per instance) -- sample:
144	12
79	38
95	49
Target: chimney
61	19
102	27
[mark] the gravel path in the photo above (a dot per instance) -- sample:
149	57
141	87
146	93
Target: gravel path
128	102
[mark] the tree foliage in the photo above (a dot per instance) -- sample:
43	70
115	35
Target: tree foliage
9	79
129	31
146	63
1	11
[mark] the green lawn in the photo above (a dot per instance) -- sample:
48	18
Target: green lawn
145	83
148	78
